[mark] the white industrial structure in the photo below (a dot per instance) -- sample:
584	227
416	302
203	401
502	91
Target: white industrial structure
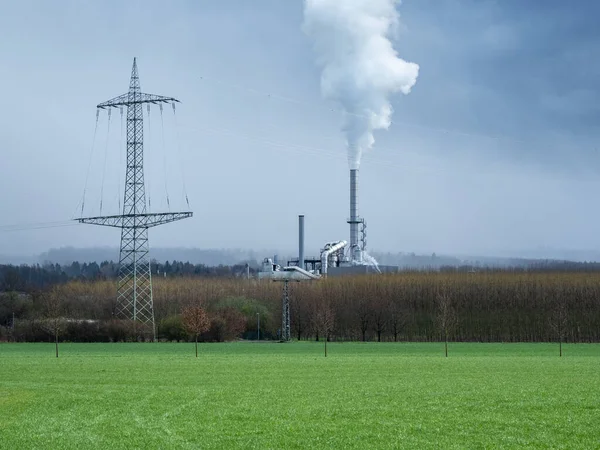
273	271
332	255
341	256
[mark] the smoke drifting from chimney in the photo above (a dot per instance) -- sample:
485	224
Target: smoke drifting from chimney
361	69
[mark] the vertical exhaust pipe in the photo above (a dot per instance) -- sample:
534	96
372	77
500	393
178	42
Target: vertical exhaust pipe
355	250
353	209
301	241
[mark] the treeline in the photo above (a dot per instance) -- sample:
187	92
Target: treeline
539	265
479	307
26	278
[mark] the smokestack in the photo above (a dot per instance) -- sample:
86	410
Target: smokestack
354	220
301	241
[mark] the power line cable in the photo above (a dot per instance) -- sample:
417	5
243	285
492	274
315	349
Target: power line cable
148	154
120	162
162	123
104	166
178	145
36	226
90	162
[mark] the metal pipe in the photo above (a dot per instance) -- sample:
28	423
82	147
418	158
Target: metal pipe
355	253
329	249
301	241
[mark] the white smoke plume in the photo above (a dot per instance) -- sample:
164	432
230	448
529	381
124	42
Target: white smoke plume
370	261
361	69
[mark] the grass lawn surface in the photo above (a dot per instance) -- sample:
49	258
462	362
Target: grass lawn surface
281	396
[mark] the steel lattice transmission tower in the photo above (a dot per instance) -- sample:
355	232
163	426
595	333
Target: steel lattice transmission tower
134	291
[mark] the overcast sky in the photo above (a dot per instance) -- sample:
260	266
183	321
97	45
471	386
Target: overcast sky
494	151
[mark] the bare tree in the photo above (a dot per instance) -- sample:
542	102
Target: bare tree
380	317
53	308
559	319
397	319
299	313
364	314
324	320
195	322
446	318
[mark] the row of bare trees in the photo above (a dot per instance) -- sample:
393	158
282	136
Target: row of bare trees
484	307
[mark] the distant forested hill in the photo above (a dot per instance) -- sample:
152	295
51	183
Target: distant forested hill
209	257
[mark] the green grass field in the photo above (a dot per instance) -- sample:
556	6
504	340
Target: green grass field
280	396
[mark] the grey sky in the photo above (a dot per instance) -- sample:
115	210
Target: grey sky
494	150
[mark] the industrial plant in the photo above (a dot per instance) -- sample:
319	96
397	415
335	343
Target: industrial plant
335	257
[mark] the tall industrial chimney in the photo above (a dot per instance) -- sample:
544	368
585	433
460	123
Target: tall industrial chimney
301	241
355	249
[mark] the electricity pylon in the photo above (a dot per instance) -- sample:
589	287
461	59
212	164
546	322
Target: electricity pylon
134	291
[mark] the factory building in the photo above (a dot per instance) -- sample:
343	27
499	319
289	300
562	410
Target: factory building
336	258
